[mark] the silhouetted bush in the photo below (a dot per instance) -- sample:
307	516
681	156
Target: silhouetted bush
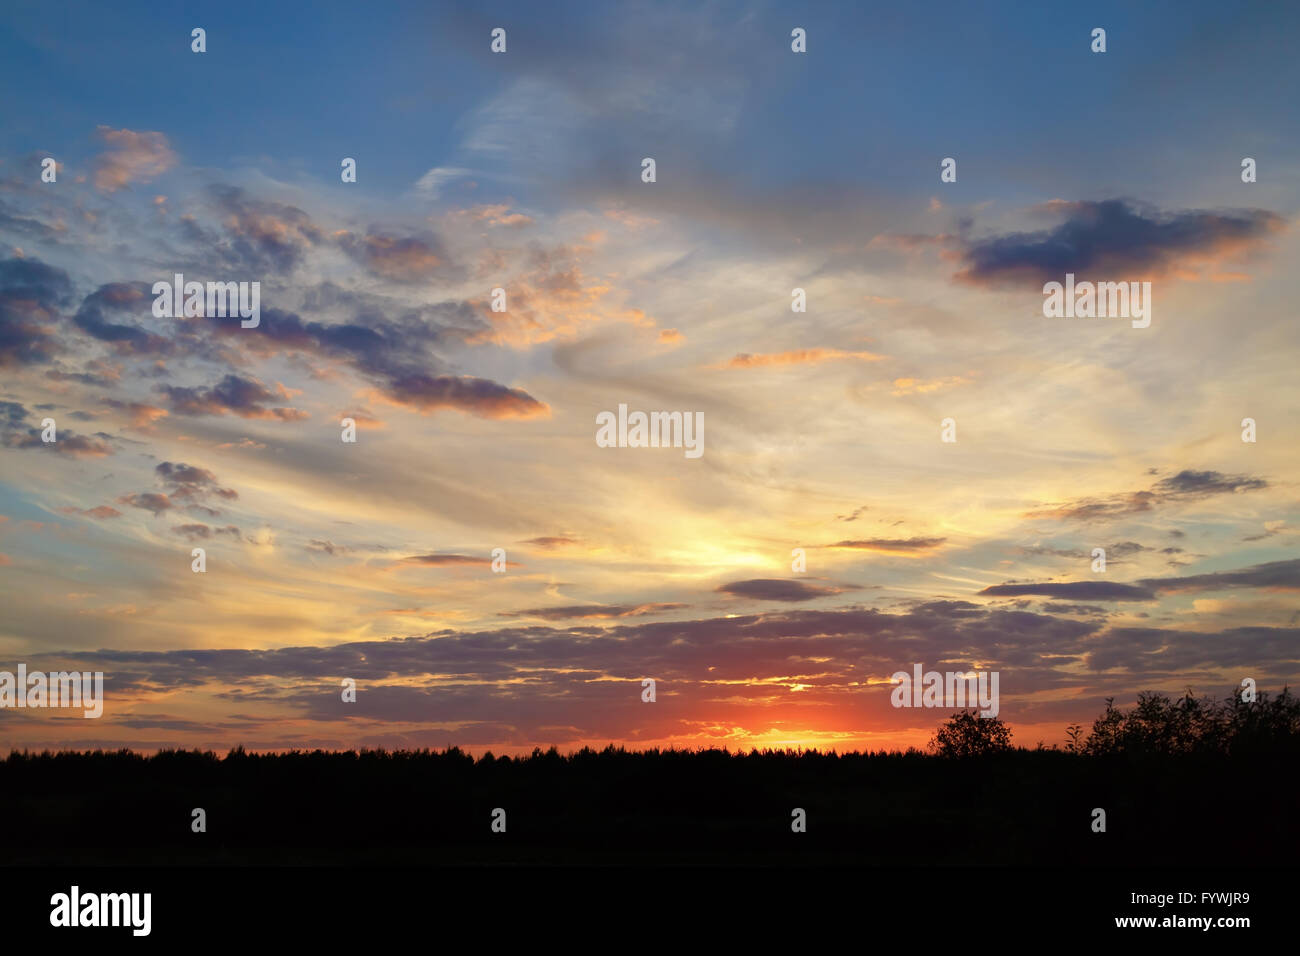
1160	726
966	734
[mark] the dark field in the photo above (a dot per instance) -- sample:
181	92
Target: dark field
1181	782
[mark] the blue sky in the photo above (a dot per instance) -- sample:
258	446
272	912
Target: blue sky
1012	88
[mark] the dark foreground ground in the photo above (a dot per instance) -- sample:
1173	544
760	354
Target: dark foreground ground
1018	807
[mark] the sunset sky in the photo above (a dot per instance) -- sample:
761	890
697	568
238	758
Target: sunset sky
775	170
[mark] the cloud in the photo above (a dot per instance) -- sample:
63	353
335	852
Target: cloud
99	513
1074	591
193	532
260	235
475	396
795	357
235	395
550	542
431	183
125	339
401	258
198	532
131	157
325	546
916	386
552	297
441	560
16	433
1117	239
142	415
1184	486
891	545
147	501
528	683
393	354
593	611
31	295
1273	576
94	372
495	215
776	589
188	482
69	443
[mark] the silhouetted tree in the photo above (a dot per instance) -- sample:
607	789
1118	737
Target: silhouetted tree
1160	726
966	734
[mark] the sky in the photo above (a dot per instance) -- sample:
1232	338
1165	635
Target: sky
328	560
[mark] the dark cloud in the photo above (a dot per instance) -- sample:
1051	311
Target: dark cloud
147	501
1074	590
1115	239
1202	484
258	235
31	296
593	611
198	532
777	589
397	355
193	532
401	258
234	394
69	443
542	683
1275	575
184	486
476	396
549	542
322	546
1115	553
16	433
94	372
23	226
441	560
1184	486
1052	608
891	545
190	482
121	297
12	415
1157	653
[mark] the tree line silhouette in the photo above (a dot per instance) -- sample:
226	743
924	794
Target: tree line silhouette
1187	779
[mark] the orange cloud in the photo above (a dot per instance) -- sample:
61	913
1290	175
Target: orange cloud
553	300
131	157
630	219
495	215
916	386
795	357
